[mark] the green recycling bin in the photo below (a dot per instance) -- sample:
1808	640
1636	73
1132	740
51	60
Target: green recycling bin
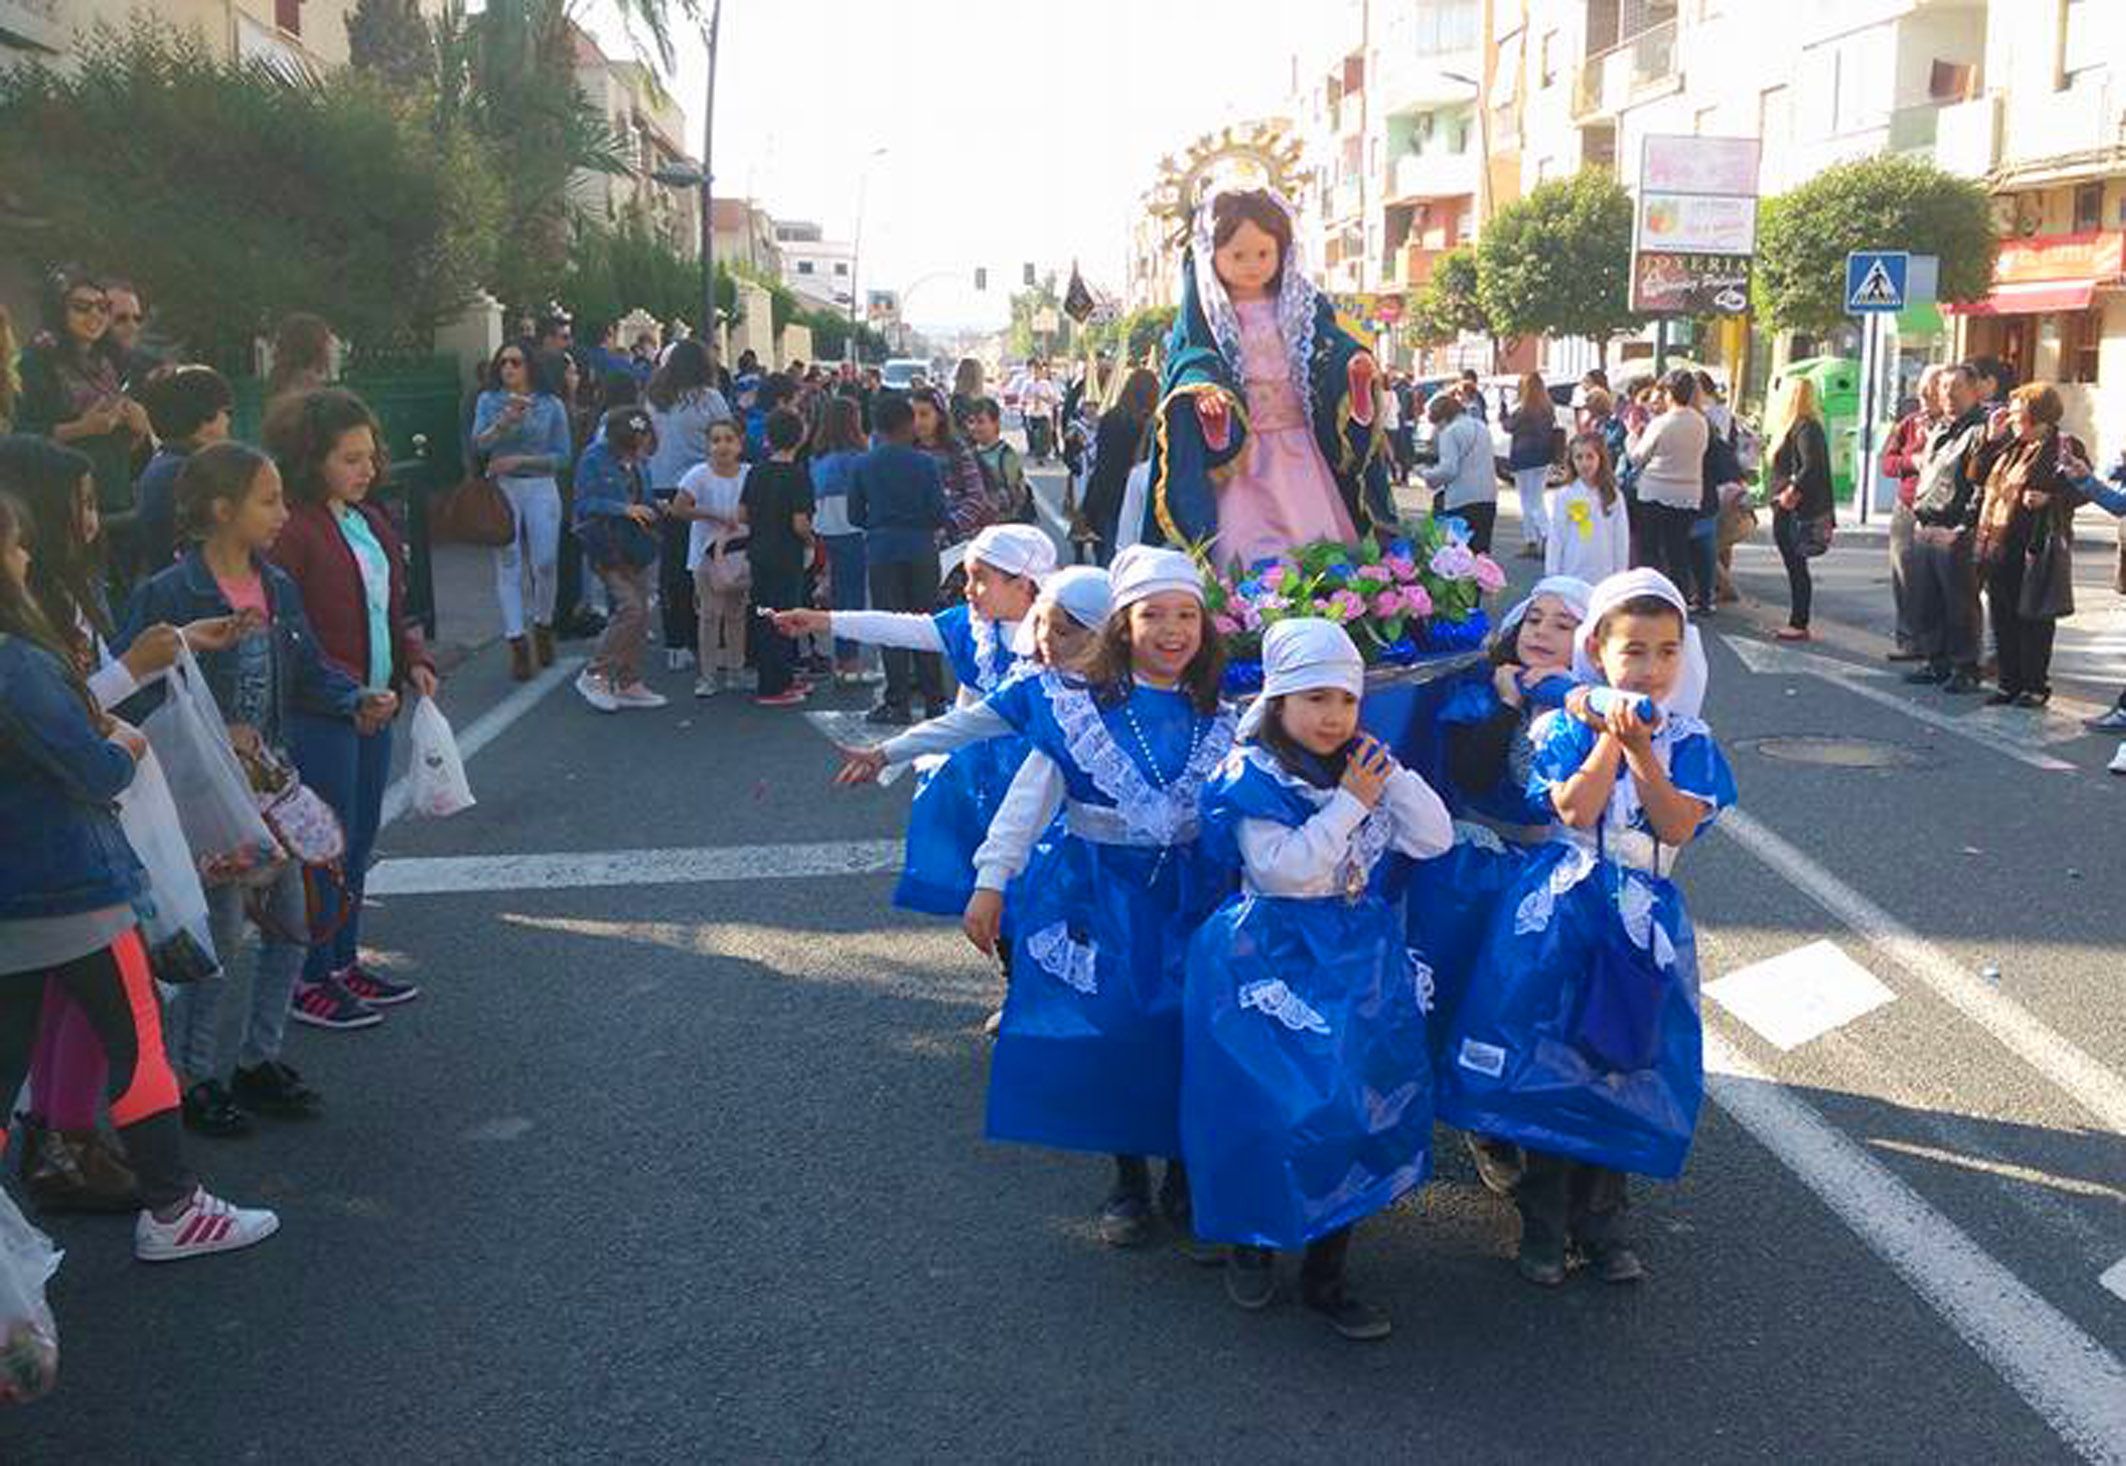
1837	380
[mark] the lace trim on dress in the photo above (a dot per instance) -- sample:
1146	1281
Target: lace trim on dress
1271	997
1160	816
1369	841
991	670
1070	962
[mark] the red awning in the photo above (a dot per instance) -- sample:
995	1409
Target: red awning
2029	298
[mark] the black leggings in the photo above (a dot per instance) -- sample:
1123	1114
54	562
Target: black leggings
675	585
1570	1201
2023	644
1664	540
116	993
1800	585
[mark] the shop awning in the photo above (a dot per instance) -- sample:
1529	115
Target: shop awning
2029	298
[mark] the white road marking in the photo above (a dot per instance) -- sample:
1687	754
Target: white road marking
2113	1279
1800	995
460	874
2076	1385
489	726
1773	660
2084	1080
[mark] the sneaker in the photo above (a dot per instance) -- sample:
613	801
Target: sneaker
592	689
786	699
377	992
936	709
1926	676
208	1110
1499	1163
1616	1263
886	715
1251	1277
206	1225
2000	697
1353	1319
2111	722
1905	656
1963	683
2036	699
635	695
2118	761
1126	1219
328	1004
272	1088
677	659
706	687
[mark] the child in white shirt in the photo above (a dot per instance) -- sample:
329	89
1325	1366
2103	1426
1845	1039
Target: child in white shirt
1590	531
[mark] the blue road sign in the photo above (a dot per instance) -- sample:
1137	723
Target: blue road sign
1875	280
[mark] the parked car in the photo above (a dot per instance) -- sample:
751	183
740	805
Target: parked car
903	372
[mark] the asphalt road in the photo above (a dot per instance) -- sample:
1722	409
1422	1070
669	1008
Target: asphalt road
688	1166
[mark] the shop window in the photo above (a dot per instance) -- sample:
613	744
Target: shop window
2088	208
2081	337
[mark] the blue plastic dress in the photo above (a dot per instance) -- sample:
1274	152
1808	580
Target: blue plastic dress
957	797
1088	1056
1582	1038
1306	1096
1450	907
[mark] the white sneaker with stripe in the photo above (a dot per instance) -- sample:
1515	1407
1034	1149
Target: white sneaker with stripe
206	1225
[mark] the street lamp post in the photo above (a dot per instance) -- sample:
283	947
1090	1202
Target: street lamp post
708	190
1483	163
856	248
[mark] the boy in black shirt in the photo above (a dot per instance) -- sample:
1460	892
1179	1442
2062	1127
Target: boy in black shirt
777	501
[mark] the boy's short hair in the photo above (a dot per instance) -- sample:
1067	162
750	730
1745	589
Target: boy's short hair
985	407
894	415
785	430
729	425
183	399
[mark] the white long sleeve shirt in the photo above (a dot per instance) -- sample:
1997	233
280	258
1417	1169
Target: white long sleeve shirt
1029	808
1586	540
1309	860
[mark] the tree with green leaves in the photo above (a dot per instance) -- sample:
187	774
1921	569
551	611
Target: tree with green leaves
1449	303
389	39
1804	235
384	224
1558	261
1041	295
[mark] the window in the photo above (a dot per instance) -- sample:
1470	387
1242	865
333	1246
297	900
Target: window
1458	135
288	15
2081	40
2088	208
804	267
1444	26
2081	335
841	267
1421	131
1547	55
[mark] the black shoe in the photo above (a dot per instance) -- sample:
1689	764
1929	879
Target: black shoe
1251	1277
936	709
1616	1263
1499	1163
1963	682
2033	699
208	1110
272	1088
1925	676
886	715
2000	697
1541	1261
1905	657
1126	1219
1351	1318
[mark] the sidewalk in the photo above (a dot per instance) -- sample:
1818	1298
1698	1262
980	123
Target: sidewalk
467	615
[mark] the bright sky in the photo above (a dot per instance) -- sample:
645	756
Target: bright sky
1013	132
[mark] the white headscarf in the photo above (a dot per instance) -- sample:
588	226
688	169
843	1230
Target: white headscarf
1299	655
1081	590
1570	589
1689	694
1015	549
1143	571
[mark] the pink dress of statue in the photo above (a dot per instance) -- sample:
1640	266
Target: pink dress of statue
1282	495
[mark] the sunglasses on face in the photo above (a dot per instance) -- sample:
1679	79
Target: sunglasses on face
86	307
510	361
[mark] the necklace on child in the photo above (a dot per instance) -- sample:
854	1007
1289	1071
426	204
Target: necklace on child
1160	782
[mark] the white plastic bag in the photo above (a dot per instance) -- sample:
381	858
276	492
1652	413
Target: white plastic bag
173	906
435	773
29	1339
227	835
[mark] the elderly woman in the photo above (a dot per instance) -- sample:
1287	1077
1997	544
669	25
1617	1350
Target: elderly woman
2023	533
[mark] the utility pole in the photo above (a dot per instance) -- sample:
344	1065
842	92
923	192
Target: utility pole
708	188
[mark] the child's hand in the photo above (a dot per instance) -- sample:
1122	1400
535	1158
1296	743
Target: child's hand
243	738
1576	706
1367	772
219	633
1506	682
128	737
375	710
1626	726
794	624
155	649
643	514
983	920
861	766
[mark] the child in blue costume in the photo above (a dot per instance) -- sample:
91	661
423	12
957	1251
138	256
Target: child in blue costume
1484	727
1089	1053
957	798
1306	1090
1581	1041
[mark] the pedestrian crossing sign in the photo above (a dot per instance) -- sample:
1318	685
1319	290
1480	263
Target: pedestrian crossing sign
1875	280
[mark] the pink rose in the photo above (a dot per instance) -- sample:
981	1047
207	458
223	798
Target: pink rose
1227	625
1250	618
1417	601
1373	572
1347	606
1454	561
1489	577
1402	567
1389	603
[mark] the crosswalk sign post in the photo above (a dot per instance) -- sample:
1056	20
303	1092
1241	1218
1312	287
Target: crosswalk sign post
1875	280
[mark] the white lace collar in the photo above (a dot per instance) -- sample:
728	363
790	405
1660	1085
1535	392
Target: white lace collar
1369	841
1161	816
991	670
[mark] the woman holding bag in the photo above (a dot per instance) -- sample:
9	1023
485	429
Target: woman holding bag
1801	501
344	555
66	916
2024	537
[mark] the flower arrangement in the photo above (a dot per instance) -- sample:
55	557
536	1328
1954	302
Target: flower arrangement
1418	593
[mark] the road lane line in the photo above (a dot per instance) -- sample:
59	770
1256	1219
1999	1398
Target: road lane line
489	726
2113	1279
1799	996
2074	1384
460	874
2086	1081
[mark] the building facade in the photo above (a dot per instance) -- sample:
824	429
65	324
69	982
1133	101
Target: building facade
308	35
820	269
651	130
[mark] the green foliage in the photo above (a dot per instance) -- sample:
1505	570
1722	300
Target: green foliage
614	270
1025	341
1804	235
1558	261
389	39
1143	330
235	193
1448	303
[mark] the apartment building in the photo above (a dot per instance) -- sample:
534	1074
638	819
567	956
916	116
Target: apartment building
308	35
820	269
652	131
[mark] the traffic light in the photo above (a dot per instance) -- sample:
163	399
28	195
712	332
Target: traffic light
981	277
1029	274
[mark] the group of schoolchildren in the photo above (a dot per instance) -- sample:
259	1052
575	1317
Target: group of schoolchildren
1260	948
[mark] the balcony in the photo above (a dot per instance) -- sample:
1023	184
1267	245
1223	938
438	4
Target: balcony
1343	200
1613	80
1433	174
1412	265
1914	130
2049	125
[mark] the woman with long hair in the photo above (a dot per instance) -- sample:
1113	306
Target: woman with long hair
1532	448
303	348
837	446
1669	456
1800	493
970	506
1117	446
73	392
967	387
520	428
684	404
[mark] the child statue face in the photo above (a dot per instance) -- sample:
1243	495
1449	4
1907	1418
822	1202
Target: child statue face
1247	262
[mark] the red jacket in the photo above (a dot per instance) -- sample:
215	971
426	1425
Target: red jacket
315	554
1900	455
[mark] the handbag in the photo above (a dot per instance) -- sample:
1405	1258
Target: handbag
476	512
304	824
2048	576
730	571
1813	535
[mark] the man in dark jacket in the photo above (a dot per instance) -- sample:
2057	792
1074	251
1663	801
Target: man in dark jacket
1943	581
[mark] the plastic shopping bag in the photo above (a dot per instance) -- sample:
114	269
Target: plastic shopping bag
173	909
227	835
436	772
29	1339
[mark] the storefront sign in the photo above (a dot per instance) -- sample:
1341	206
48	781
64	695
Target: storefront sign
1697	223
1684	163
1671	283
2098	255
